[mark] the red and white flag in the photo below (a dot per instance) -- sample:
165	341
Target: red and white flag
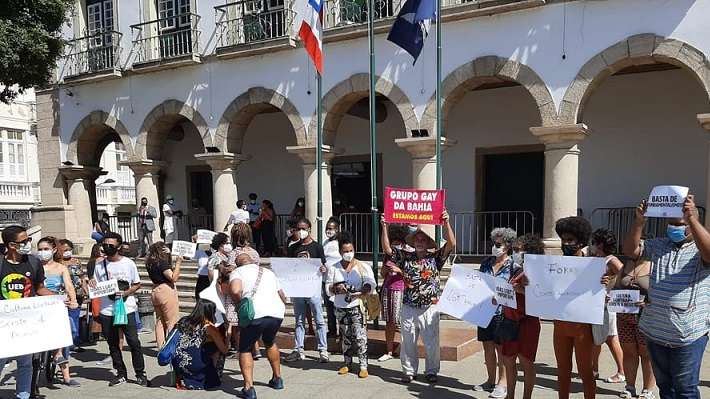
308	25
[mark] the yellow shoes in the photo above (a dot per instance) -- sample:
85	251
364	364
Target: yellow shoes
343	370
363	374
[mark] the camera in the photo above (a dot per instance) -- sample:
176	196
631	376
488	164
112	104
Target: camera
123	285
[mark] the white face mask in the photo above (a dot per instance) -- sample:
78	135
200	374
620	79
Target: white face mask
348	256
45	254
25	249
497	252
227	247
67	254
303	234
330	233
518	258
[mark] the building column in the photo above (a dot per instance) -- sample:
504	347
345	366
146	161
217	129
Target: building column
310	181
146	174
224	180
423	152
561	176
79	181
704	120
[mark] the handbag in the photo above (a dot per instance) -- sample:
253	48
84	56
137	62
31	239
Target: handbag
167	352
246	304
120	318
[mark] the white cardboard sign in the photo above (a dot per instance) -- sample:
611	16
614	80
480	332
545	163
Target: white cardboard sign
565	288
298	277
666	202
185	249
32	325
468	296
103	288
205	236
624	301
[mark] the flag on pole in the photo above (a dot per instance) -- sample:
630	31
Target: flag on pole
308	25
411	27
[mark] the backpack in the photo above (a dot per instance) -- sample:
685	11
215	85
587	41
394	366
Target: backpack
32	260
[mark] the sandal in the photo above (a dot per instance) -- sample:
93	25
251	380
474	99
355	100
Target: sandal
615	379
647	394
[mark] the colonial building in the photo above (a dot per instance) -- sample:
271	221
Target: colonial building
550	109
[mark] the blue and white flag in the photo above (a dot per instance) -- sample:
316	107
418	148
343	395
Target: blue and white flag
412	26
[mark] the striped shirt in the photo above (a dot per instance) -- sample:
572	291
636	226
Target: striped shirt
678	312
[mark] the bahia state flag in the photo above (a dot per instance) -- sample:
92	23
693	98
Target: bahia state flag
308	25
412	26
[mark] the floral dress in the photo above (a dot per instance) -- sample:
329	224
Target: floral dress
192	361
422	286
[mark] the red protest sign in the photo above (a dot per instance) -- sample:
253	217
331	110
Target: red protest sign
414	206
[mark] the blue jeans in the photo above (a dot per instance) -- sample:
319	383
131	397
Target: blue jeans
74	322
316	303
677	370
139	323
23	375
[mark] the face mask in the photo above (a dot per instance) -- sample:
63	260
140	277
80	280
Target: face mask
227	248
498	251
348	256
110	250
570	249
330	233
518	258
67	254
252	202
144	203
676	233
412	229
171	202
303	234
45	255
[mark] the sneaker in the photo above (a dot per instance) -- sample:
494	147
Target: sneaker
247	393
628	393
324	357
499	392
61	360
385	357
276	383
408	378
117	381
431	378
486	386
343	370
144	331
256	355
78	349
647	394
72	383
615	379
103	361
142	380
363	374
295	356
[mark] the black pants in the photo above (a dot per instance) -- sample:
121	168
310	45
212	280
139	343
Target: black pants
111	333
330	312
202	283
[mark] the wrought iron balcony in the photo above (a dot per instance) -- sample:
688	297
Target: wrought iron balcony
166	38
99	52
250	21
349	12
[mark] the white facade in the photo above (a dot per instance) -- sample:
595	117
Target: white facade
602	140
116	190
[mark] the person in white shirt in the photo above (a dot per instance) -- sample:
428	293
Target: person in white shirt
250	280
352	281
115	266
240	215
331	249
170	214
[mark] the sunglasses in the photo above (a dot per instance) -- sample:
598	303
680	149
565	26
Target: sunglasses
498	244
23	242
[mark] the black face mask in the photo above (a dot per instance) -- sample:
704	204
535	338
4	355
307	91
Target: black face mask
144	203
109	250
570	249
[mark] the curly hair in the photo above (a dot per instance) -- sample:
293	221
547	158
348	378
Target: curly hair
531	244
506	234
576	226
241	235
157	255
218	240
605	239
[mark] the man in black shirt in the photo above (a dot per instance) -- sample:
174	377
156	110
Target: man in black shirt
21	276
308	248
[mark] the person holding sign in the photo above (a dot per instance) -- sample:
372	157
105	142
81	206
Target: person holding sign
499	265
164	295
420	271
351	281
675	320
392	288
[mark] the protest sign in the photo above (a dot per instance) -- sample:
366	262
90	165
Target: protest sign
185	249
32	325
414	206
103	288
565	288
205	236
504	292
624	301
666	202
298	277
468	296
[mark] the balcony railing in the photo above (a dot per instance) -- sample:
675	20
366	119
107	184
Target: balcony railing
166	38
251	21
19	192
99	52
348	12
115	195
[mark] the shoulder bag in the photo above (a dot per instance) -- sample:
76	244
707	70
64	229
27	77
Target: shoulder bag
246	305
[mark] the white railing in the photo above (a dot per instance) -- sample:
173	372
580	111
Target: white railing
115	195
19	192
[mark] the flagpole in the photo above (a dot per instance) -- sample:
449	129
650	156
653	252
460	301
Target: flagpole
373	139
438	107
319	154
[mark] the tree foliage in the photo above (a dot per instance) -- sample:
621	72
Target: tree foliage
30	43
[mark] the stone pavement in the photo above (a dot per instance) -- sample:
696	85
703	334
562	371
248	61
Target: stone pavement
313	380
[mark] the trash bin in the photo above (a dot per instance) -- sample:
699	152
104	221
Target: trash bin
145	309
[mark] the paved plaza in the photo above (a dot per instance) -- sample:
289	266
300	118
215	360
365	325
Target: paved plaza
312	380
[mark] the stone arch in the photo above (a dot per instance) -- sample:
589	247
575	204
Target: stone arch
345	94
91	136
646	48
489	69
161	119
236	118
